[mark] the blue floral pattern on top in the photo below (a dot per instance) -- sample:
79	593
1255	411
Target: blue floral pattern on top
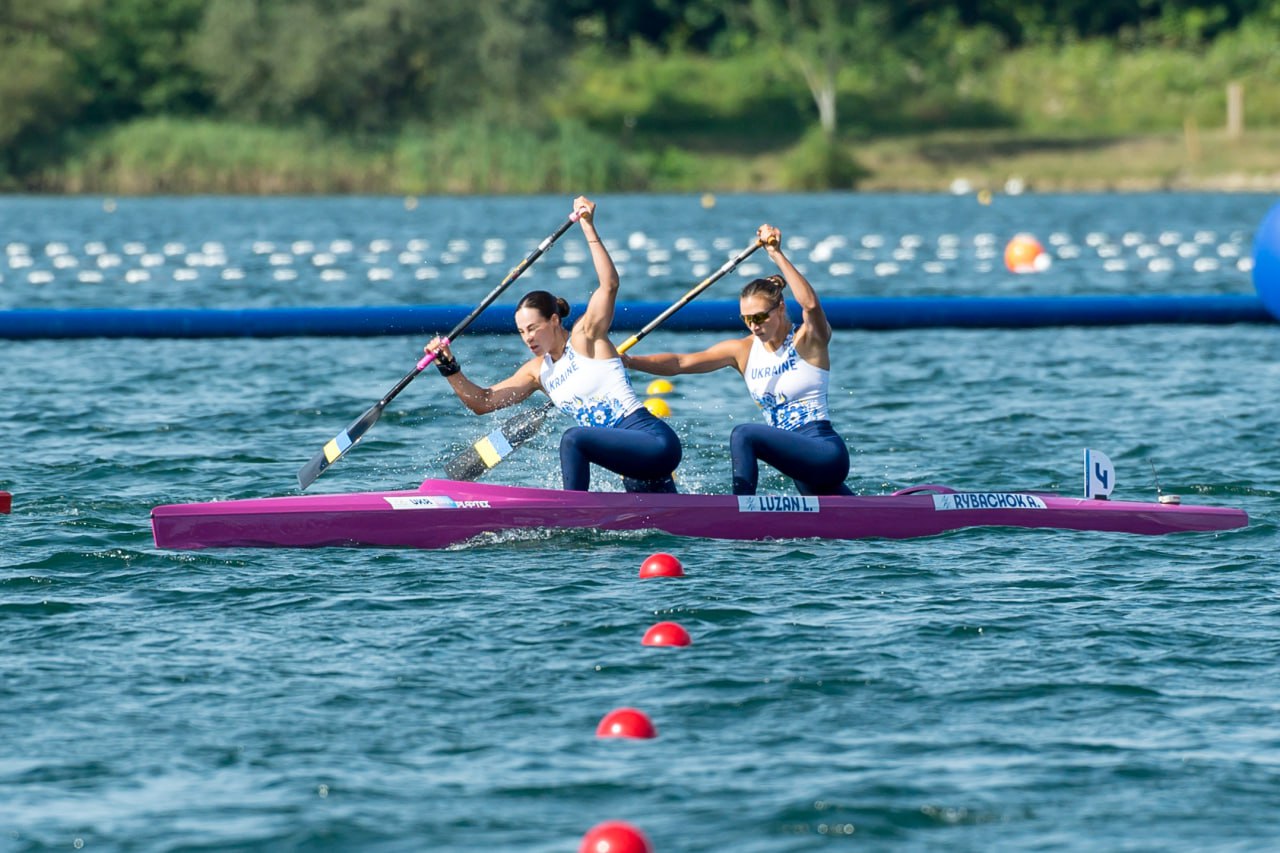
780	413
596	413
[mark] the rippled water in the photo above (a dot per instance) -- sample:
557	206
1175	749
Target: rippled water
985	689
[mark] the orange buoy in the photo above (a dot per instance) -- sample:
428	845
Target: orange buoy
614	836
667	634
626	722
1024	254
661	565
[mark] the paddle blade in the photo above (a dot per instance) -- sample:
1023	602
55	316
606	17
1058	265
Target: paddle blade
338	446
473	462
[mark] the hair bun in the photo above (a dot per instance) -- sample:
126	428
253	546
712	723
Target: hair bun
562	307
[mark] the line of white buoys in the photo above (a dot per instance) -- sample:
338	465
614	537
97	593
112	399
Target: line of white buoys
872	255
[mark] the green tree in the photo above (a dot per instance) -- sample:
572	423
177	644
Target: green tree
373	65
40	90
821	38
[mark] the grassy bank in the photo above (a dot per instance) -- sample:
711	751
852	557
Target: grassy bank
178	157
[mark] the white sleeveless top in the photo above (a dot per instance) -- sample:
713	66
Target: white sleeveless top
790	391
592	391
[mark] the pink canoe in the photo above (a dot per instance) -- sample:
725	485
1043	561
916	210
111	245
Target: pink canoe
446	512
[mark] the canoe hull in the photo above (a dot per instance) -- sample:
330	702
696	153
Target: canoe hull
441	513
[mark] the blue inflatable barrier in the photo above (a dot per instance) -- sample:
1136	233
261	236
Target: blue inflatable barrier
710	315
1266	261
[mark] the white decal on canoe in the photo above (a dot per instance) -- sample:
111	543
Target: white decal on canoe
988	500
421	502
433	502
776	503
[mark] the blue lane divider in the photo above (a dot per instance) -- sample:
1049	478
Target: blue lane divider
710	315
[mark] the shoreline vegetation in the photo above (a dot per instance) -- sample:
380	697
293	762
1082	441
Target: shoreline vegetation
198	158
1177	104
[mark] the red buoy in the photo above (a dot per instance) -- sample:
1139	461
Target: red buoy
614	836
667	634
661	565
6	501
626	722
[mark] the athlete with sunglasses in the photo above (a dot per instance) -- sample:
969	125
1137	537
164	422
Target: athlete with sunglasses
787	370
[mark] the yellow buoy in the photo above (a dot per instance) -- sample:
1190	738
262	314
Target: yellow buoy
658	407
410	202
984	196
708	201
659	386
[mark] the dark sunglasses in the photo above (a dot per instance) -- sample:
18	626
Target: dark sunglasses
757	319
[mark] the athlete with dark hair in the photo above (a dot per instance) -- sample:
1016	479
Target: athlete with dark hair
579	368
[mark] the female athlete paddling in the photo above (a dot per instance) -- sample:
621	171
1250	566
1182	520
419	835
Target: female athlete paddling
787	370
580	370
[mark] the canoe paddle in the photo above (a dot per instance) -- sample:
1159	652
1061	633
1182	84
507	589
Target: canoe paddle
338	446
487	452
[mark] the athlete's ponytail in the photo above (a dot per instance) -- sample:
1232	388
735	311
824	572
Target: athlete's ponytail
545	304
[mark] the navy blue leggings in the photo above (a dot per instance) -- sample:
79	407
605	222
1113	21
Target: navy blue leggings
814	456
640	447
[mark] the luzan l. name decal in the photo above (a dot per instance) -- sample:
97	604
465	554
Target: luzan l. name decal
988	500
776	503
